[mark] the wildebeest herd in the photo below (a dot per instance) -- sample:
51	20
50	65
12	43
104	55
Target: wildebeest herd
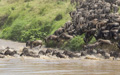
50	52
94	18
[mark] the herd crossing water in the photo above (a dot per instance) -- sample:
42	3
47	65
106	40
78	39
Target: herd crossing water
48	66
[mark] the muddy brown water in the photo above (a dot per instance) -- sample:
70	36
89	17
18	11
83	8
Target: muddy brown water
37	66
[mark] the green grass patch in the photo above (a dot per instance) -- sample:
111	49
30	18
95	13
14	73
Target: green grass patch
33	19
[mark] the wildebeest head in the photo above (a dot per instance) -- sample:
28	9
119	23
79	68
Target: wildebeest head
28	43
105	33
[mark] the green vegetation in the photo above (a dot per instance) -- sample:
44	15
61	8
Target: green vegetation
22	20
75	44
32	19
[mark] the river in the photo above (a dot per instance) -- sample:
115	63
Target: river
35	66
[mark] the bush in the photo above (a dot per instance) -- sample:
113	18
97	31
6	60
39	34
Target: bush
93	40
75	44
51	44
33	19
58	17
33	34
16	32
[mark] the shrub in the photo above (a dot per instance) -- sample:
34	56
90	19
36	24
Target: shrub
51	44
75	44
93	40
58	17
33	19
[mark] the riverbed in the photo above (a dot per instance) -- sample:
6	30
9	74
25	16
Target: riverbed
37	66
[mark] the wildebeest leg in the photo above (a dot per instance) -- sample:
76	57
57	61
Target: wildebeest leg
26	44
40	45
31	45
118	45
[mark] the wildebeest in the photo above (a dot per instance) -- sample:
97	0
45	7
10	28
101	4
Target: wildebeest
34	43
10	52
93	23
117	19
27	52
115	8
113	33
102	41
107	8
89	35
115	54
91	46
60	55
65	36
42	52
67	25
118	2
59	31
70	54
102	23
118	39
91	51
110	1
52	37
72	14
105	34
112	25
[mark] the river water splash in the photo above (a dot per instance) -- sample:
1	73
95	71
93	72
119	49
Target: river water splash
37	66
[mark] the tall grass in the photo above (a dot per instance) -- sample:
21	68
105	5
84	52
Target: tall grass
33	19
